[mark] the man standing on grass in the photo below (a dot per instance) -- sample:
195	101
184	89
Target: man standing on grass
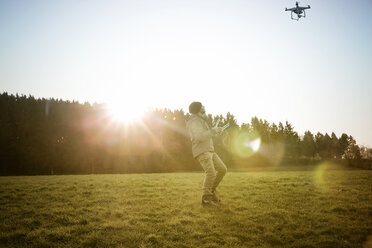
203	150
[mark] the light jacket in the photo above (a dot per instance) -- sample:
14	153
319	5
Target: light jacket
200	134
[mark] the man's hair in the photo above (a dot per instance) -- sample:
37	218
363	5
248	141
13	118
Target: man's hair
195	107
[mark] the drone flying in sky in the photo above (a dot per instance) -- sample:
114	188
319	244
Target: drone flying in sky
299	11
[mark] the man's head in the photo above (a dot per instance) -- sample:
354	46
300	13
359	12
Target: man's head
196	108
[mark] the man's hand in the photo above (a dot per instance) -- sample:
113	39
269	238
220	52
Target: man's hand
218	130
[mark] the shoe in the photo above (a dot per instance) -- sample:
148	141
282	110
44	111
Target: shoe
207	201
215	198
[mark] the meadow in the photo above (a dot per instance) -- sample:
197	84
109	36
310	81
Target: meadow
307	209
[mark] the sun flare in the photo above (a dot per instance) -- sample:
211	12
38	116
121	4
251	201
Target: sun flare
125	113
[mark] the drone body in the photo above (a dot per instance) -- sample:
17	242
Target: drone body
299	11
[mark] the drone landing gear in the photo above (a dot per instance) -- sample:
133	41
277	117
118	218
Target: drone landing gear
298	16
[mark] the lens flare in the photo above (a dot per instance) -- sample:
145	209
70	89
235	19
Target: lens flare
247	144
319	174
323	174
254	144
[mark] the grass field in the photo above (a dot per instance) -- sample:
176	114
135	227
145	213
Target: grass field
308	209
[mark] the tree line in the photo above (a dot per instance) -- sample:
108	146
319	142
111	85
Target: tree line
52	136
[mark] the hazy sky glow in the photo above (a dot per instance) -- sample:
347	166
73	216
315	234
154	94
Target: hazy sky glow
246	57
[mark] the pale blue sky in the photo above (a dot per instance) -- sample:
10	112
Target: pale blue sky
246	57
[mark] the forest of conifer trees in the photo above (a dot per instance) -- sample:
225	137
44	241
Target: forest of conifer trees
51	136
